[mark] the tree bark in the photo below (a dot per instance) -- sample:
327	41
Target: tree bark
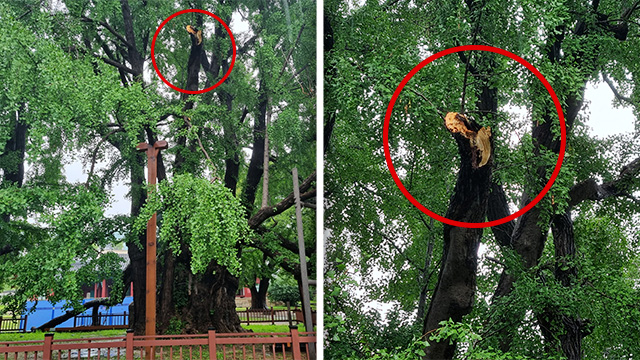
137	254
259	295
573	327
265	163
12	158
453	295
255	165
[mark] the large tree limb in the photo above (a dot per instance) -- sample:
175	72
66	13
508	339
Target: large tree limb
136	60
71	313
590	190
263	214
118	65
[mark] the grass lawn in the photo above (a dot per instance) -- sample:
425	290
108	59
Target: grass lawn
271	328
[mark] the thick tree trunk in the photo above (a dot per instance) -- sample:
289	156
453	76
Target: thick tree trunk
255	165
12	161
572	328
14	150
453	295
136	254
259	295
529	235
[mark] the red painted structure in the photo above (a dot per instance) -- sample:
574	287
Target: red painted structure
292	345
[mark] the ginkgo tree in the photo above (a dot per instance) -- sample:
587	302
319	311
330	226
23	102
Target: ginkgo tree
79	84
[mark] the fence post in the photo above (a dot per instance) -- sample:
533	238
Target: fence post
46	347
273	322
295	342
247	313
24	324
128	352
289	313
212	345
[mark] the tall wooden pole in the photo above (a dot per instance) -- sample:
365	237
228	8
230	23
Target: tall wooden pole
150	288
304	279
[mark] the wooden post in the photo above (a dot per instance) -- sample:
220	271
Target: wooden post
212	344
129	345
306	301
273	321
46	348
150	284
289	314
295	342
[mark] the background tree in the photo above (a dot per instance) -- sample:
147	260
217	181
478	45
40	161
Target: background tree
519	282
79	84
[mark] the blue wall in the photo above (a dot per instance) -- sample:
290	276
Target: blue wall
45	311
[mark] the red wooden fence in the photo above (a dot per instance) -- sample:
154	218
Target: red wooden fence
293	345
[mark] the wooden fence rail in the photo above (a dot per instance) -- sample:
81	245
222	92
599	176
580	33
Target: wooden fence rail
272	316
13	324
101	322
293	345
289	316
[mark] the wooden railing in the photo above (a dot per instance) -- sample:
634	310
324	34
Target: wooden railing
13	324
236	346
272	316
102	322
289	316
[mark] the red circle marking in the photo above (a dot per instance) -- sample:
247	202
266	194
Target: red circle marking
153	57
396	94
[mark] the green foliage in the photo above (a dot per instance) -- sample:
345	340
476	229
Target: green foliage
202	215
284	288
468	339
176	326
64	251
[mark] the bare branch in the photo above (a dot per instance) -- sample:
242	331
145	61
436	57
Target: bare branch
206	154
108	27
615	91
286	59
95	152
